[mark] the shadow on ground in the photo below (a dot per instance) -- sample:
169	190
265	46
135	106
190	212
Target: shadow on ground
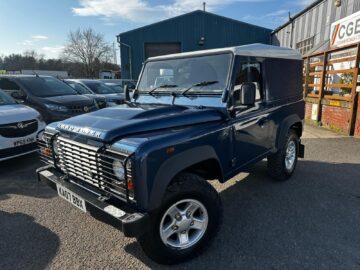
309	222
24	244
17	176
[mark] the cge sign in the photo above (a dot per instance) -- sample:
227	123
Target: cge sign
345	31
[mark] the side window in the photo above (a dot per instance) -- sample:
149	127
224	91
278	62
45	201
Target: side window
250	72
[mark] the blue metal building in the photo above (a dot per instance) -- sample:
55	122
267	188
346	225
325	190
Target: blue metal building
193	31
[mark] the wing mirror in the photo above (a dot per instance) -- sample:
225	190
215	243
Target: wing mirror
248	93
18	95
127	93
245	96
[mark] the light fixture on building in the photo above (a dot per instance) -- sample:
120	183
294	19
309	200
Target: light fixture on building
201	41
337	3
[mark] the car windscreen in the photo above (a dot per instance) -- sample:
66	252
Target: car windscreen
82	90
6	99
204	74
46	86
99	88
117	88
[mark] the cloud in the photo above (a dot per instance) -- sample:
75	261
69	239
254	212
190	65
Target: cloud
274	18
143	11
52	51
39	37
305	2
27	43
277	13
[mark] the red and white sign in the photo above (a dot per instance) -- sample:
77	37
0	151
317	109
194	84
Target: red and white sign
345	31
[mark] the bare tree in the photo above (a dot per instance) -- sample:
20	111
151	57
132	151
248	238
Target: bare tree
88	48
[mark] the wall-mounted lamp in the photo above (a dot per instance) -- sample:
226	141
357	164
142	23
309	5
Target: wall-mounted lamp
202	41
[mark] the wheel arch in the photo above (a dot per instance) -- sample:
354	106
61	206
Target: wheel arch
194	160
291	122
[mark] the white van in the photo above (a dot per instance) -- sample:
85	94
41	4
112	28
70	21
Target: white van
19	128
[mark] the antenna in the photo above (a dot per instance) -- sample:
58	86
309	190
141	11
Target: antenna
204	6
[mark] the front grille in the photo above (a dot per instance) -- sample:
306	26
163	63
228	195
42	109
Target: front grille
18	129
92	165
78	109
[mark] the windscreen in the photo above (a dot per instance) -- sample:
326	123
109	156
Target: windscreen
6	99
99	88
79	88
205	74
117	88
46	86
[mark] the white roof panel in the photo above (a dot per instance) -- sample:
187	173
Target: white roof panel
258	50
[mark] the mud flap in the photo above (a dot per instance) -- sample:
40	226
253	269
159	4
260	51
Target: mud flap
301	150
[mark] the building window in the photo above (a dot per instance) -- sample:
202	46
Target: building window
305	45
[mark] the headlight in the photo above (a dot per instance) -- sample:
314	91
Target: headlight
56	146
119	169
54	107
111	104
100	104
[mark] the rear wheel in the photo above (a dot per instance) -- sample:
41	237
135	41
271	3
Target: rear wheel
282	164
187	220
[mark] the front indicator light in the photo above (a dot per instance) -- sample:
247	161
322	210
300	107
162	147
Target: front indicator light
130	184
46	152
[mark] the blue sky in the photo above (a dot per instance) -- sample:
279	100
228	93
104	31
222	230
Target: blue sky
43	25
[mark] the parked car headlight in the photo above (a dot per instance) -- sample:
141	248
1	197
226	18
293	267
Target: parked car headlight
119	169
100	104
111	103
54	107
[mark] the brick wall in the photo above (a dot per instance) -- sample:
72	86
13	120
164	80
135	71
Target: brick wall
336	118
308	110
357	123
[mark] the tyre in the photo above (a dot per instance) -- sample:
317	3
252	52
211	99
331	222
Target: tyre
189	217
282	164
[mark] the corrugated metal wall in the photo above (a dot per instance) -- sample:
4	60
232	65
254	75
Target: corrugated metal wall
187	29
315	23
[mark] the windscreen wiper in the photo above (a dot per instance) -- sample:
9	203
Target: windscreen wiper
205	83
161	86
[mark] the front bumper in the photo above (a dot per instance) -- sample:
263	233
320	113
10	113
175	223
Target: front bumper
13	152
132	224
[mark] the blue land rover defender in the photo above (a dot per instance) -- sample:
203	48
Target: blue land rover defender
143	167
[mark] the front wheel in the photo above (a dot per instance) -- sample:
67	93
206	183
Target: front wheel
281	165
187	220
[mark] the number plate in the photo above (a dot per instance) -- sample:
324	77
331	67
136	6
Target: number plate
71	197
24	141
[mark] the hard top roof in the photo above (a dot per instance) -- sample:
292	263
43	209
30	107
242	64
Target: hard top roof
255	50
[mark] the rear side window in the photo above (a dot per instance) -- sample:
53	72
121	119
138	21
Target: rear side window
250	72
